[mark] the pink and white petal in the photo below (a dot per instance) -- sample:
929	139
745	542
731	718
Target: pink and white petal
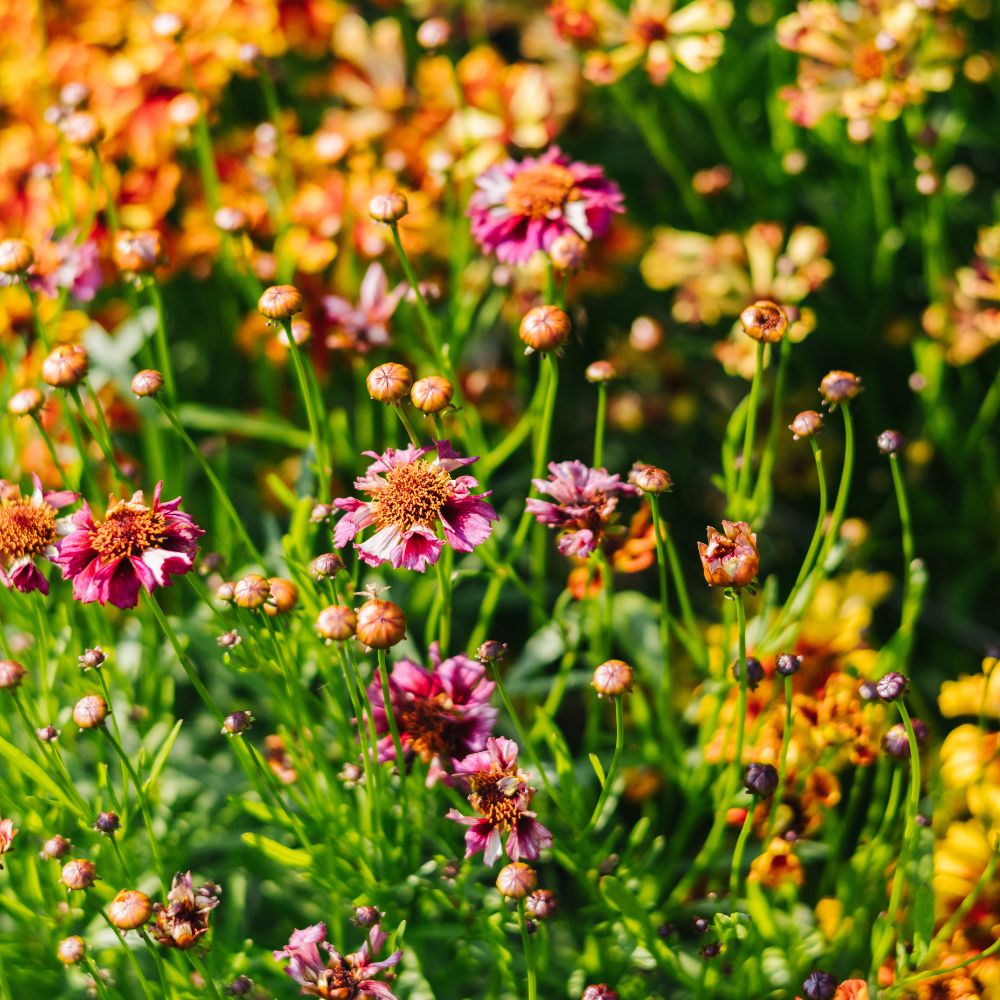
380	547
493	849
418	548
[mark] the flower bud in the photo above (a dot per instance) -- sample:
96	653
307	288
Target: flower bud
78	874
130	909
326	566
70	950
251	591
25	402
148	382
542	904
81	128
388	207
433	33
184	110
107	823
280	302
755	672
764	321
284	596
612	678
90	711
230	220
839	387
819	985
431	394
380	624
788	664
55	847
730	559
389	383
599	992
805	424
47	734
650	479
568	252
226	592
600	372
229	640
11	674
240	986
492	651
891	686
896	741
544	328
890	442
137	252
91	659
337	622
366	916
66	366
237	723
16	256
761	780
516	880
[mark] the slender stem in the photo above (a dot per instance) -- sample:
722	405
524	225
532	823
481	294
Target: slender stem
130	956
426	317
843	490
902	984
397	743
741	843
107	449
666	680
312	416
762	488
199	967
444	580
948	927
529	952
407	426
602	412
162	347
49	446
687	612
904	518
613	769
743	483
95	975
782	761
189	668
741	711
161	970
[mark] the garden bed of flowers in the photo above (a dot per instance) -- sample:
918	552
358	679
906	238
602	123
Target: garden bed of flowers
499	500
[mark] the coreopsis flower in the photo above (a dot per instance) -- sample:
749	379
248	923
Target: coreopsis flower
363	325
730	559
583	504
500	794
29	529
519	208
336	976
869	64
7	835
411	499
441	713
184	918
776	865
134	546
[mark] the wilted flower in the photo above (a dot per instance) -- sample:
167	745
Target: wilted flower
410	497
363	325
764	321
584	504
338	977
500	794
134	546
7	835
730	559
516	880
185	916
441	713
520	208
29	528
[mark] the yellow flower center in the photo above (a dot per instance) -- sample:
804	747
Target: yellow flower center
25	530
868	63
128	529
413	494
494	795
538	191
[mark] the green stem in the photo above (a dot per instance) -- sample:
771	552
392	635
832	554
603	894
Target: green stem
105	446
741	843
199	967
743	483
407	426
162	347
319	448
49	447
613	769
529	952
904	518
762	488
782	761
189	668
95	975
602	411
903	984
397	743
741	711
666	678
130	956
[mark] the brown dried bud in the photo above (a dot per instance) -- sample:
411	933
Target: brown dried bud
389	383
148	382
516	880
730	559
11	674
16	256
284	596
90	711
78	874
431	394
25	402
568	252
388	207
137	252
764	321
890	442
237	723
601	372
839	387
70	950
327	565
805	424
55	847
380	624
251	591
650	479
280	302
130	909
544	328
337	622
612	678
66	366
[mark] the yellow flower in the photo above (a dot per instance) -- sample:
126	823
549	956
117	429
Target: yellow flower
960	858
776	865
972	694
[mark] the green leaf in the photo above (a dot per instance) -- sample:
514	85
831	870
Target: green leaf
923	922
290	856
595	762
29	769
217	420
161	757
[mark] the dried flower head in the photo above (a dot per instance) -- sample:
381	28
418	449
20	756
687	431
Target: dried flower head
890	442
78	874
431	394
25	402
612	678
251	591
237	723
761	780
280	302
90	711
650	479
380	624
337	622
389	383
805	424
11	674
839	387
66	366
516	880
184	918
764	322
130	909
70	950
16	256
388	207
148	382
544	328
730	559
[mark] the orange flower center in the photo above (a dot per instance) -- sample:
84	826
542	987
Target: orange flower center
128	529
413	494
426	722
868	63
541	190
649	29
494	795
25	530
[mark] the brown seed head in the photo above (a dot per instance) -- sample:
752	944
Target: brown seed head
25	402
130	909
90	711
16	256
764	321
280	302
66	366
11	674
148	382
380	624
805	424
337	622
70	950
612	678
251	591
544	328
650	479
78	874
389	383
284	596
516	880
431	394
388	207
839	387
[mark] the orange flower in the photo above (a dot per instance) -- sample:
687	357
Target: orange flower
730	559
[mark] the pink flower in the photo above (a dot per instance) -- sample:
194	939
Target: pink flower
338	976
7	835
29	528
585	503
500	794
410	499
67	264
133	546
519	208
441	713
365	325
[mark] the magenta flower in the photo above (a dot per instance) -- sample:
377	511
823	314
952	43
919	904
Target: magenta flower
584	504
65	264
520	208
412	497
441	713
29	528
133	546
500	794
337	977
364	325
